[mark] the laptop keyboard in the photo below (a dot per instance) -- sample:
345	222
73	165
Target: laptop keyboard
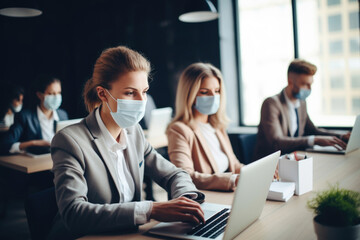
213	227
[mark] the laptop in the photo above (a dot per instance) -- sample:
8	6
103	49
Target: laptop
224	221
62	124
159	120
352	145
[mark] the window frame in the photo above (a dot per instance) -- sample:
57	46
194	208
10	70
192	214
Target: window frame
235	4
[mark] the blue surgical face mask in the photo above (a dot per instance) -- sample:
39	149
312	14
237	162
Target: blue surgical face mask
302	94
128	112
207	105
52	102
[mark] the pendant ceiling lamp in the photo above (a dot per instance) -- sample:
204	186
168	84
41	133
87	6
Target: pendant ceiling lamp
20	9
199	11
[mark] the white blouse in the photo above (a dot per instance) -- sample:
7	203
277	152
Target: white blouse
212	140
125	179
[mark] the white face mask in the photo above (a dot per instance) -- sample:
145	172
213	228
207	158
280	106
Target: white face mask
128	112
208	105
52	102
17	108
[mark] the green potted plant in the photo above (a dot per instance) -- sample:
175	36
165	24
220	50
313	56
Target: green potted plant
337	213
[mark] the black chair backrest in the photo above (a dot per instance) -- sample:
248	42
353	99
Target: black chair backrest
41	209
247	147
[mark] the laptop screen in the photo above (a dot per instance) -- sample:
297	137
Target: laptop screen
160	118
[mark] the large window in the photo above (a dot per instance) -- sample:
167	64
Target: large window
332	100
266	43
327	34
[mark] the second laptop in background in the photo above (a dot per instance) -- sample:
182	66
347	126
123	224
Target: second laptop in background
159	120
352	145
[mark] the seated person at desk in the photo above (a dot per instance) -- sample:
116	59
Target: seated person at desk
36	127
11	102
100	163
197	136
285	124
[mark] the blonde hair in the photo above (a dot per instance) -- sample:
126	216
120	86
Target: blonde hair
112	63
187	89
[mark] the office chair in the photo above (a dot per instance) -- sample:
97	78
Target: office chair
41	209
247	146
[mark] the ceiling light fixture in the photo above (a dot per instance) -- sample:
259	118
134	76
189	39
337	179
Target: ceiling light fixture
20	8
200	11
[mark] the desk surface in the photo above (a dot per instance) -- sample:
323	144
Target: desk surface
4	129
28	164
279	220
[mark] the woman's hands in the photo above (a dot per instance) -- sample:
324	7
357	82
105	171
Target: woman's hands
179	209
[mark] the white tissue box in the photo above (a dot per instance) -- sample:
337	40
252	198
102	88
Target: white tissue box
300	172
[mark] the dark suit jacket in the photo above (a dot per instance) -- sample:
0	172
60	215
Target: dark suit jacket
274	127
26	127
86	180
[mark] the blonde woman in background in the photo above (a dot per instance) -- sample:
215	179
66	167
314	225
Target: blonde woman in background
198	142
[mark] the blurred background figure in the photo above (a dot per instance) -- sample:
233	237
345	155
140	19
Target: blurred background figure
198	142
11	102
35	127
285	123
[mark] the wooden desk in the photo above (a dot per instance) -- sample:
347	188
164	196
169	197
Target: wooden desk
28	164
279	220
4	129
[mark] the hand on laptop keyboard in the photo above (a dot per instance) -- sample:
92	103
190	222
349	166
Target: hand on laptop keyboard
213	227
345	137
330	141
179	209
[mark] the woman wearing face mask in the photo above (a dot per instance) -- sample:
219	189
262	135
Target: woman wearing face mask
100	163
197	136
12	102
36	126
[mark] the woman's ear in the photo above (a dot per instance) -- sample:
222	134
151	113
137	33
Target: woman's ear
101	93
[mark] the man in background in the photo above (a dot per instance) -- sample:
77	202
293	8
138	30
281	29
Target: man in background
285	124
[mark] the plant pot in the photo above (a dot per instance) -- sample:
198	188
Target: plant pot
325	232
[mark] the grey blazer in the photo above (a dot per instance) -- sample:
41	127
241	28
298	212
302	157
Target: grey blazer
86	186
274	127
